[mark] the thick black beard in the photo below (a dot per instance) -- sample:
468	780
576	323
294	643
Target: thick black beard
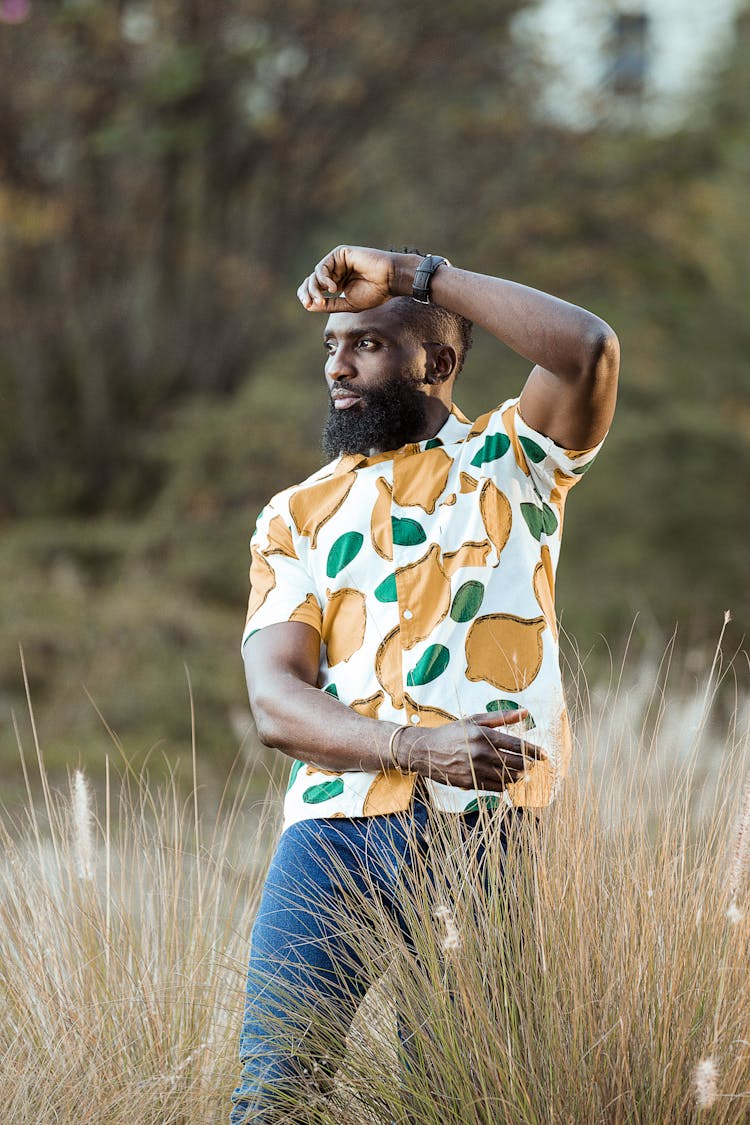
386	418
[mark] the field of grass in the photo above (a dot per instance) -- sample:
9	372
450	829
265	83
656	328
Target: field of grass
604	979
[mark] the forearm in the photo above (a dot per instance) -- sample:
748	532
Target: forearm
306	723
293	715
545	330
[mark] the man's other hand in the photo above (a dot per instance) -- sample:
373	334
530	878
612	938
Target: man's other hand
477	753
353	278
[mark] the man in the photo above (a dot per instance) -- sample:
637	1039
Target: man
401	633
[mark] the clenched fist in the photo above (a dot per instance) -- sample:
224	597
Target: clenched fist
353	278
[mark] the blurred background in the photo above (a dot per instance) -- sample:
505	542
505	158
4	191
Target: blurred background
171	169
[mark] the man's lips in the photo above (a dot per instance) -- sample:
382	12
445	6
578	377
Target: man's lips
342	400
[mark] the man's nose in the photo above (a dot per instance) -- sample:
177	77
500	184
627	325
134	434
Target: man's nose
340	365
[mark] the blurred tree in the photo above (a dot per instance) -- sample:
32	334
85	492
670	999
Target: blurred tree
160	163
167	173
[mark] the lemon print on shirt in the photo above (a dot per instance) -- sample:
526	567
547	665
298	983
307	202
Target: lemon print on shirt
420	481
496	514
262	581
312	507
505	650
381	531
388	667
544	588
280	539
344	621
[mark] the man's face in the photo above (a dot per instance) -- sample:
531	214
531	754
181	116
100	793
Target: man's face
375	375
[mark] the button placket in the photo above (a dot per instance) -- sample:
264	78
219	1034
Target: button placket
403	556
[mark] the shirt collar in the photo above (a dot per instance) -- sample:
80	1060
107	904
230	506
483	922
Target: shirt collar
455	428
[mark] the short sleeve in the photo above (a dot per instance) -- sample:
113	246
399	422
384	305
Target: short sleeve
281	588
552	469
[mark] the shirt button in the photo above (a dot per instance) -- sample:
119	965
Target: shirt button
414	719
408	614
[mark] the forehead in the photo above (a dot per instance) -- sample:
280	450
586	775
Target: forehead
386	318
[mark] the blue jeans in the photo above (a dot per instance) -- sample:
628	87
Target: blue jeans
304	970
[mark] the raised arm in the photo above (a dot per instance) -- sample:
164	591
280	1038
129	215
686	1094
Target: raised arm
571	391
294	716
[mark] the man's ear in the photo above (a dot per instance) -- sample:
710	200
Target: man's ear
441	363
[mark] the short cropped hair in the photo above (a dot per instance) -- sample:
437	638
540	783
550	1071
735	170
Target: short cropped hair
435	325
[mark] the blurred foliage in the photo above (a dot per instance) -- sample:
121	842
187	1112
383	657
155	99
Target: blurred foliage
170	170
162	164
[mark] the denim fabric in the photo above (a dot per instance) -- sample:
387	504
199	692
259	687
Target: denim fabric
302	968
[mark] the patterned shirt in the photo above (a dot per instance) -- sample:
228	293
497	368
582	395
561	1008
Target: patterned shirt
429	573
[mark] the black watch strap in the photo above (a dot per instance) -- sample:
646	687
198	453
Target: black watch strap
426	269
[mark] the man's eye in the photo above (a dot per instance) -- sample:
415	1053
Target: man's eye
367	343
329	347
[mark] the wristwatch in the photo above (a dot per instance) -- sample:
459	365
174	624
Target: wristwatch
427	268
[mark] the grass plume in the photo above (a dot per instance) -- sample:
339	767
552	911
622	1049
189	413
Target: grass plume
599	980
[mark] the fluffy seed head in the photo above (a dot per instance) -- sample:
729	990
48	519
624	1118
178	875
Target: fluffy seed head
734	914
83	842
452	939
705	1080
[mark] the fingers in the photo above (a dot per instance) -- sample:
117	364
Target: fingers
494	721
500	718
322	290
505	768
325	277
509	742
312	297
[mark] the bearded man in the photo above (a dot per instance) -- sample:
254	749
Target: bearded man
401	639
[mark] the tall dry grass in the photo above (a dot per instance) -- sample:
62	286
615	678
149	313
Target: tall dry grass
602	978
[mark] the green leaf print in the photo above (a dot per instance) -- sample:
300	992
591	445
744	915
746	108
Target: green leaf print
316	794
493	447
431	664
433	443
296	767
581	469
550	519
406	532
346	548
508	705
501	705
540	521
332	690
490	802
533	451
534	519
467	601
386	590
